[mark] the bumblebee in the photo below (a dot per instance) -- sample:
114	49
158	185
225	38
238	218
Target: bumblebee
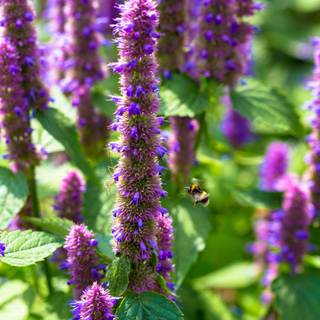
198	195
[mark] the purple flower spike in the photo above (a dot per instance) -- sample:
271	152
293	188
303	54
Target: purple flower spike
19	28
14	110
79	245
69	201
294	226
274	166
140	143
2	248
95	304
221	25
82	48
184	131
313	158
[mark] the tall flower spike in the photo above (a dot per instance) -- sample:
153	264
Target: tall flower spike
274	166
82	260
220	33
69	201
84	68
172	24
294	225
184	132
313	159
95	304
235	127
139	184
19	29
14	113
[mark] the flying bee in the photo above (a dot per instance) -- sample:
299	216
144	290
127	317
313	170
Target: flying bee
198	194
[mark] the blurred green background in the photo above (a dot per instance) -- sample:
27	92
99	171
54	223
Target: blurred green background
222	283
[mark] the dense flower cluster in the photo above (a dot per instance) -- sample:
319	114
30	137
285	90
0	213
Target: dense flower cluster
138	173
172	25
313	159
69	201
221	32
95	304
184	132
83	69
274	166
19	29
82	261
235	127
14	111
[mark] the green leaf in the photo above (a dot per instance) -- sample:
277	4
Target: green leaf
63	130
148	305
258	198
181	96
192	227
41	137
13	195
297	297
312	261
27	247
214	307
57	306
105	258
15	309
266	105
118	276
237	275
11	289
55	225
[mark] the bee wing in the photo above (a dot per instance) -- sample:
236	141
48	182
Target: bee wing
201	183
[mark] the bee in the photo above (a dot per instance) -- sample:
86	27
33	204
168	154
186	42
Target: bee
198	194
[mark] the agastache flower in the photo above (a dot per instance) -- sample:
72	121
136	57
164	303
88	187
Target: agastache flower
274	166
95	304
139	187
294	225
313	159
85	69
14	111
19	29
184	132
220	33
69	201
172	24
82	260
235	127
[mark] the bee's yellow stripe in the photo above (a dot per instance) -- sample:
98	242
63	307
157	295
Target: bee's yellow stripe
202	195
193	187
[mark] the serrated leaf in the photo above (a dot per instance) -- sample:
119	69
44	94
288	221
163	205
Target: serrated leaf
264	104
297	297
148	305
182	96
192	227
118	276
13	195
237	275
64	131
55	225
27	247
105	258
258	198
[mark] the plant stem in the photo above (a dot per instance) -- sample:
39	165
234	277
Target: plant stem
36	213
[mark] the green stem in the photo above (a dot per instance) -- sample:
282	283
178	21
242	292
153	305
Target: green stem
36	212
